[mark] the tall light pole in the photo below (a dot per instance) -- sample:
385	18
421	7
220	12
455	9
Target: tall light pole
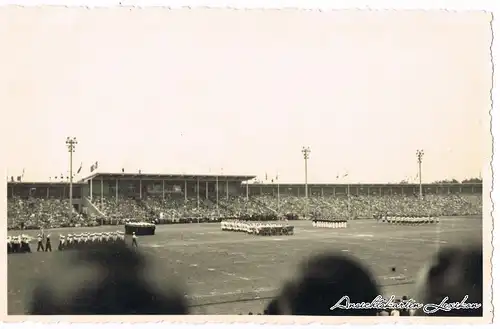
305	152
420	155
71	144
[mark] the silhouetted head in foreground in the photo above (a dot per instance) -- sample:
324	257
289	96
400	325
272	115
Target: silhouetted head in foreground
454	274
118	289
323	281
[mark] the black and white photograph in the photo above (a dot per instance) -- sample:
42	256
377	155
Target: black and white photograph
255	162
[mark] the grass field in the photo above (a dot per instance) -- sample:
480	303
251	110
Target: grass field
231	273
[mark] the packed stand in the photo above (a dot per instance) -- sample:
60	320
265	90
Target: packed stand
353	207
238	206
431	205
34	213
178	210
122	211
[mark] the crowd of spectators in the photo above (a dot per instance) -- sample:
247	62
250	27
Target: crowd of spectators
122	209
36	213
50	213
318	288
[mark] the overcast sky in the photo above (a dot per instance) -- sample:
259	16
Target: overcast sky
240	92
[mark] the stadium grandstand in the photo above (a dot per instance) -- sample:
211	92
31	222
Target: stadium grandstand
114	198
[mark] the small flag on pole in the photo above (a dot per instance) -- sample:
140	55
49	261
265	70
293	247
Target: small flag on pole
79	169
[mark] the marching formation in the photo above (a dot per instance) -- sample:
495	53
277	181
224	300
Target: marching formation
18	244
90	240
21	243
330	223
257	228
140	228
409	220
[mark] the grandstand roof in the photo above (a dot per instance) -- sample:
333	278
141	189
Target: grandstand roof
172	177
264	185
34	184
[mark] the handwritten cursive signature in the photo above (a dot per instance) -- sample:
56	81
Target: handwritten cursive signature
445	306
379	303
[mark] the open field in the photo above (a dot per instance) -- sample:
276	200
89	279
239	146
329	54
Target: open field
231	273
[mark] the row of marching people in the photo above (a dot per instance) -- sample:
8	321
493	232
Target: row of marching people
21	243
409	220
330	223
90	240
18	244
256	228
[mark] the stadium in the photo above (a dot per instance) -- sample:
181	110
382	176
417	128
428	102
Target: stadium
228	272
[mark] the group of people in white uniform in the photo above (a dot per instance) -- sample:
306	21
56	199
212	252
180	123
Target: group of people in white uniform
330	224
257	228
409	220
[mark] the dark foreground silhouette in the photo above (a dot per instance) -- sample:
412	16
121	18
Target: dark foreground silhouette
320	281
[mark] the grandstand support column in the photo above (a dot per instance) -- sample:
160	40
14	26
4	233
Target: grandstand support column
71	144
334	192
102	191
198	192
116	190
322	193
247	190
420	155
185	190
349	199
279	200
140	188
91	192
163	189
227	190
48	192
306	151
217	194
206	190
